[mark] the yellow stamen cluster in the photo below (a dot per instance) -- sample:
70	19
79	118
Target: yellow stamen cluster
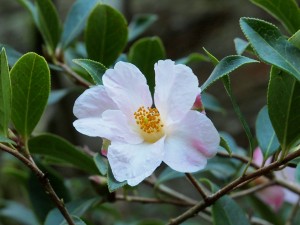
148	120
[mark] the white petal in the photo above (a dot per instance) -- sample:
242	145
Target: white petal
175	91
128	88
190	142
135	162
113	126
93	102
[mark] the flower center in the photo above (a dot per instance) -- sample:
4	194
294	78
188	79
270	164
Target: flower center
148	120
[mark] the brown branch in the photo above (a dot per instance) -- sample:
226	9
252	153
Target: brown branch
196	185
43	180
238	157
225	190
252	190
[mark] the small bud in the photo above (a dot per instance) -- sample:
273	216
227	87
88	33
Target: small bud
105	145
198	105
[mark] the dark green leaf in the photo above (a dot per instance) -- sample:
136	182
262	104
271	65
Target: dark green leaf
284	107
224	144
193	58
30	80
12	54
17	212
101	164
56	147
226	66
78	208
271	46
48	23
5	94
265	133
76	220
95	69
6	140
76	20
168	174
106	34
112	183
41	201
211	57
139	24
286	11
211	103
297	173
150	222
241	46
144	54
295	39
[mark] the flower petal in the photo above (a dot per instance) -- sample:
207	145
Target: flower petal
128	88
113	126
135	162
273	196
175	91
190	142
93	102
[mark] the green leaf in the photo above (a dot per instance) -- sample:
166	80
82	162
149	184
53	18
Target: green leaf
48	23
12	54
144	53
112	183
286	11
58	148
95	69
284	107
76	20
76	220
226	211
225	145
5	94
241	46
6	140
78	208
297	173
30	80
193	58
57	95
265	133
101	164
271	46
41	201
168	174
150	222
139	24
226	66
295	39
106	34
211	103
17	212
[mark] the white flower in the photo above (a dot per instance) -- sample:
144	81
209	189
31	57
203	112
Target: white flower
142	137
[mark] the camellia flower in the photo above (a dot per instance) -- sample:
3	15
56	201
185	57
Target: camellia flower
143	136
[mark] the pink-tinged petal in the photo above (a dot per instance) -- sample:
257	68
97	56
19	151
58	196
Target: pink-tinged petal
113	126
272	196
128	88
175	91
258	156
190	142
134	163
93	102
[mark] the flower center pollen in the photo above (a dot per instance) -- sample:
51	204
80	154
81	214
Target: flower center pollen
148	120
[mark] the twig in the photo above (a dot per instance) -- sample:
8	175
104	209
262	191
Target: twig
288	185
225	190
43	180
238	157
196	185
151	200
252	190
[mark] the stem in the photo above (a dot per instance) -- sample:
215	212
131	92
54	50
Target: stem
238	157
196	185
252	190
43	180
225	190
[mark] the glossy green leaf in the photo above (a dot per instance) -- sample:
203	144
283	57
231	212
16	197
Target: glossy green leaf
112	183
5	94
78	208
211	103
225	145
168	174
40	201
6	140
30	80
139	24
193	58
12	54
76	20
58	148
48	23
265	133
286	11
226	66
284	107
271	46
144	54
241	46
226	211
101	164
95	69
76	220
17	212
106	34
295	39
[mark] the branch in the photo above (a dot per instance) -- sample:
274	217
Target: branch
252	190
43	180
225	190
238	157
196	185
